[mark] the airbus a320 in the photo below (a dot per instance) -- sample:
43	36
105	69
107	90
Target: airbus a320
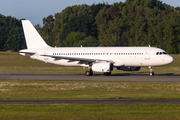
96	59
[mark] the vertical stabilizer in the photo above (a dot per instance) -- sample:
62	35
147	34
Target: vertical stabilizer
33	38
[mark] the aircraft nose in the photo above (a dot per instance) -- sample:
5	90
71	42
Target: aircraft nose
170	59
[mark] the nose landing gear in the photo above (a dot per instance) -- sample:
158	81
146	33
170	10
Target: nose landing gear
151	71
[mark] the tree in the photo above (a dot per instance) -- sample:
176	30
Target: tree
11	34
73	38
47	30
89	41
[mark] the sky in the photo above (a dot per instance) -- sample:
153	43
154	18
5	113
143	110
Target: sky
36	10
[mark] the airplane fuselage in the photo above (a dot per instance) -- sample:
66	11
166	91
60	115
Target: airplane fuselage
120	56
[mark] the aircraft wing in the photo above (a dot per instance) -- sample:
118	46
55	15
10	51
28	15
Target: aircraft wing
82	60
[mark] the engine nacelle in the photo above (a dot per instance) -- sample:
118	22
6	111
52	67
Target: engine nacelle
129	68
103	67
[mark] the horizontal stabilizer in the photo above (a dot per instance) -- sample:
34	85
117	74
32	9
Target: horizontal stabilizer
27	51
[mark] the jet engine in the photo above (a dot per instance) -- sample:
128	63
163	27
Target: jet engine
129	68
103	67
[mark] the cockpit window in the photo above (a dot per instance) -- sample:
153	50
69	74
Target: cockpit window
161	53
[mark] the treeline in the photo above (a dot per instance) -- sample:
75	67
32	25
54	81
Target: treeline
11	34
74	26
130	23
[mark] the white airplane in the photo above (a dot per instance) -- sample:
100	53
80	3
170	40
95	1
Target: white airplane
97	59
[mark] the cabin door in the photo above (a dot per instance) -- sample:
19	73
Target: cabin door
147	54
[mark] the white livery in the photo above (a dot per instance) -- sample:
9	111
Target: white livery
98	59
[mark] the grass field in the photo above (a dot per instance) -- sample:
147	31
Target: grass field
19	89
15	63
90	112
33	89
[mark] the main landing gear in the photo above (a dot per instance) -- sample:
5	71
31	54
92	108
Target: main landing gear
89	72
151	71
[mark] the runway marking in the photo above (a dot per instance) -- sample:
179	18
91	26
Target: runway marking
92	101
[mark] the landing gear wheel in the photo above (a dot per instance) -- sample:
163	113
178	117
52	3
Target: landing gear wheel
107	73
88	73
151	73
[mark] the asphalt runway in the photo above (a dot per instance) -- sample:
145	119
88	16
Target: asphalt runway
99	101
96	77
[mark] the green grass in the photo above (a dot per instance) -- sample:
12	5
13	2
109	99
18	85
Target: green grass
90	112
33	89
15	63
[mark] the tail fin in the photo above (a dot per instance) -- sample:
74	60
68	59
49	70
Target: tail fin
33	38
